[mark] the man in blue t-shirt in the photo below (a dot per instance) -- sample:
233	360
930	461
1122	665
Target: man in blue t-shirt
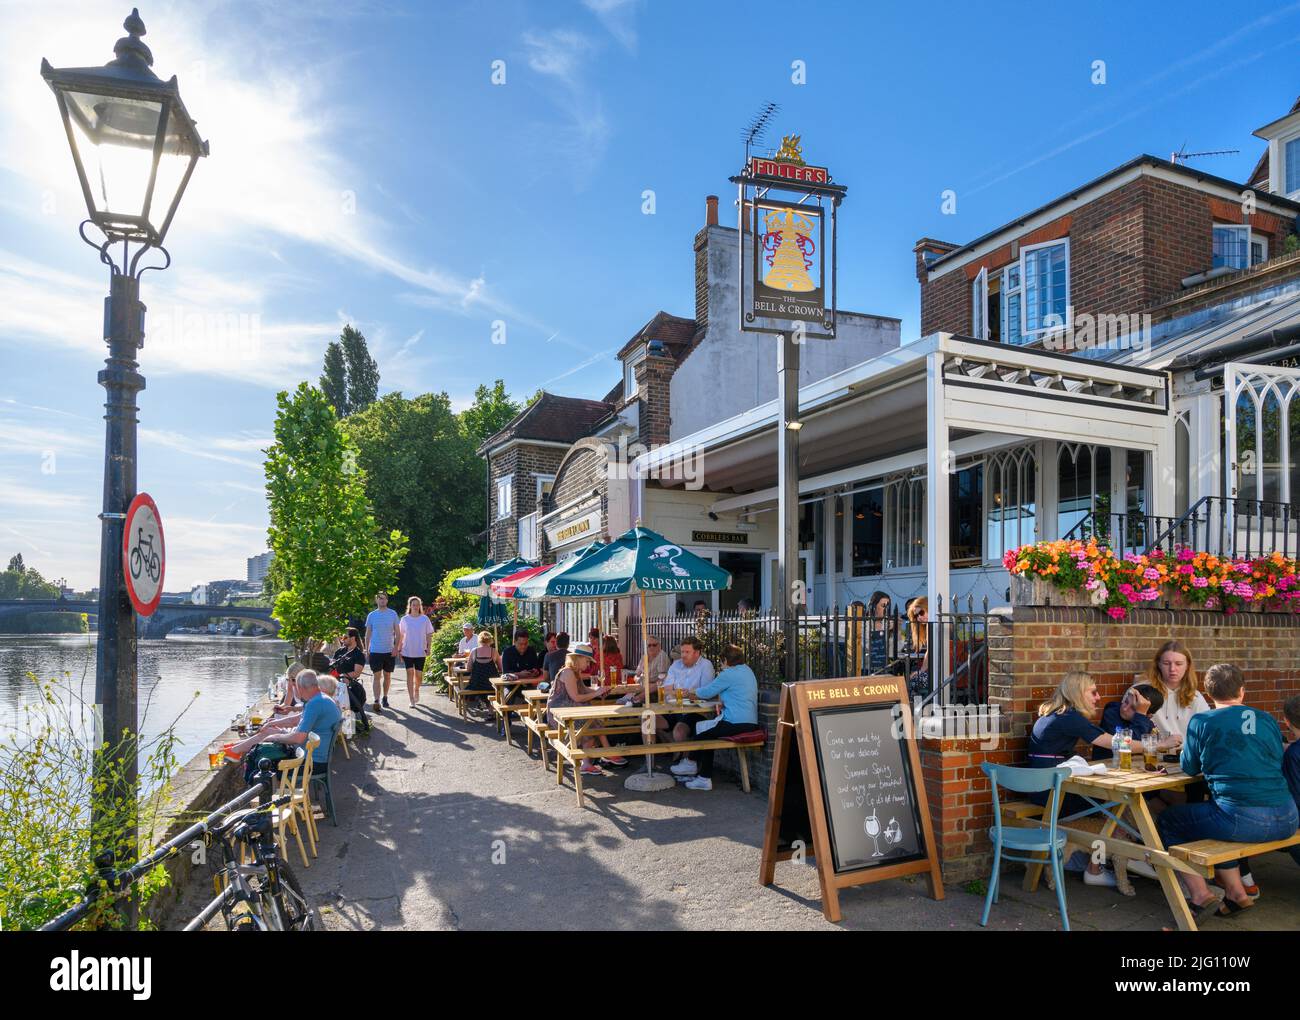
383	635
320	715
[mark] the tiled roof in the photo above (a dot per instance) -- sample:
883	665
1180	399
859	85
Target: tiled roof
552	418
675	331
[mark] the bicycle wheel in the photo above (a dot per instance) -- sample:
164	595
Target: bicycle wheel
289	910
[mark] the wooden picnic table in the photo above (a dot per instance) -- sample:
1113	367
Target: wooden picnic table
1112	796
505	687
580	721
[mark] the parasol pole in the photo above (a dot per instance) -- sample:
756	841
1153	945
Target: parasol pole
645	682
600	637
645	652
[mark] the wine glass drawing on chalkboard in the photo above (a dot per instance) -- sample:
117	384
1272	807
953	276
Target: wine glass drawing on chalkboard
893	832
872	829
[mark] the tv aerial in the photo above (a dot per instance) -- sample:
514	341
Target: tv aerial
756	131
1182	155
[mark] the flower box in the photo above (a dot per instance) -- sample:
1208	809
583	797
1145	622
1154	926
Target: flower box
1034	591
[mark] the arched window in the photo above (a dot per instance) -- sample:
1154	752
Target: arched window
1012	517
904	521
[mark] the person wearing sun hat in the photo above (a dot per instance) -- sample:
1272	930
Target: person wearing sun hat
569	691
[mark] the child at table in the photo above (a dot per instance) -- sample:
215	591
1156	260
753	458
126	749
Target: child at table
1133	712
1063	720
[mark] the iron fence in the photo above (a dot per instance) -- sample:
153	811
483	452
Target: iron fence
944	660
1224	526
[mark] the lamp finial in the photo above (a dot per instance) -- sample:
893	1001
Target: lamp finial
130	49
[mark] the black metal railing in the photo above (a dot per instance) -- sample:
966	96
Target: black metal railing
1232	526
1226	526
945	660
111	884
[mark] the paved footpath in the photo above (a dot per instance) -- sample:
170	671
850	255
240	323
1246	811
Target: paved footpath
442	825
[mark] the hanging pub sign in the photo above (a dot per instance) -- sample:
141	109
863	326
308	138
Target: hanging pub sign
787	275
789	260
847	789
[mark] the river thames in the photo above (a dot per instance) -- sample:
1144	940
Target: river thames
199	683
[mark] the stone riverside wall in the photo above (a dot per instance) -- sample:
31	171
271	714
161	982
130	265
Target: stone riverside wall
196	790
1034	646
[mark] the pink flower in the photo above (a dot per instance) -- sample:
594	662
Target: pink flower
1187	568
1117	612
1132	558
1200	582
1185	554
1151	574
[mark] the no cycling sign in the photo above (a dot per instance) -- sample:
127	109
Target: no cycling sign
144	556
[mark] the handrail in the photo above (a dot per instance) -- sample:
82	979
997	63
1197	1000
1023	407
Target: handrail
117	883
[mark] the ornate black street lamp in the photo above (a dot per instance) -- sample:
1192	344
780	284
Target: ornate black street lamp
135	146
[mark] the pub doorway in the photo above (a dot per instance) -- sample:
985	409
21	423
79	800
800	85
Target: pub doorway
746	580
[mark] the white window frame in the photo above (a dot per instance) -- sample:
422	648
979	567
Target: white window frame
505	497
1005	293
1028	335
979	305
904	499
1282	143
1252	238
541	480
629	371
996	464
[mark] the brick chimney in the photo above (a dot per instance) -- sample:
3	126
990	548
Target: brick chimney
702	261
653	375
927	250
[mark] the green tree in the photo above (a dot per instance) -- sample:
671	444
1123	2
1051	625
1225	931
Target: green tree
16	563
334	380
328	548
424	478
459	603
491	411
362	371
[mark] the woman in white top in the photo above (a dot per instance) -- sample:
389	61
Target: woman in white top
417	636
1173	674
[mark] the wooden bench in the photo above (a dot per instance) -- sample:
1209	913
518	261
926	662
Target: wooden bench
1025	813
1204	854
575	755
461	694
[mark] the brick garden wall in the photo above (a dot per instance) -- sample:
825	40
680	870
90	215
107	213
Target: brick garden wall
1028	654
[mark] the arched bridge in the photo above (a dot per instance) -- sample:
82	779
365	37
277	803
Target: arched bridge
166	617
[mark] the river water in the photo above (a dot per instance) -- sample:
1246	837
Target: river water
227	673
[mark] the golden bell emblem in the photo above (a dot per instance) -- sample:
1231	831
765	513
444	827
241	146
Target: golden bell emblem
788	248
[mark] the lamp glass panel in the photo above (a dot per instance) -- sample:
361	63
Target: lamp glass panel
115	138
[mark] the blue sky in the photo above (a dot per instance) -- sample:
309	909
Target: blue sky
366	169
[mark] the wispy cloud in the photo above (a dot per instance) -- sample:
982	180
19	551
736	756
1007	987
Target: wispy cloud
561	55
619	19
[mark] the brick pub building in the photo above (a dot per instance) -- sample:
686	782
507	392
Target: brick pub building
1122	360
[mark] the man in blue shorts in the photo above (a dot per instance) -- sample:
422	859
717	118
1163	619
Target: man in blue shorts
383	633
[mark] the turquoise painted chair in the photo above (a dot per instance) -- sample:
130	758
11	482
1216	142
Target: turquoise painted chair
1019	844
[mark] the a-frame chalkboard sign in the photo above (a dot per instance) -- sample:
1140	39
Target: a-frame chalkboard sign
847	788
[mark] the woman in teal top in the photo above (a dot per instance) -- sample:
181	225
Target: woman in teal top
1239	751
737	687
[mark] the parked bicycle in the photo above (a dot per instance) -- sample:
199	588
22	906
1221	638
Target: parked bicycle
256	889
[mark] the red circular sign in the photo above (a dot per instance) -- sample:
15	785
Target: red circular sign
144	558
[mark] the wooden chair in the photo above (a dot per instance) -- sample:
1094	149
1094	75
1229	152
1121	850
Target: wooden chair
286	816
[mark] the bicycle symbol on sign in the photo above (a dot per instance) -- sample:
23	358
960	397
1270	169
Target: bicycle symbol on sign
150	564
